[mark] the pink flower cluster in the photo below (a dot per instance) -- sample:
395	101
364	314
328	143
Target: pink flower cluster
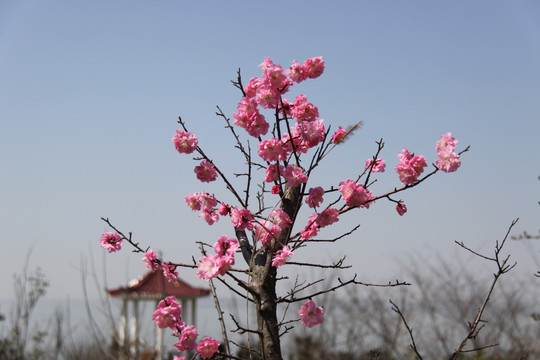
447	159
339	135
315	197
303	110
273	150
281	256
249	118
355	195
293	175
269	229
378	167
316	221
207	347
212	265
185	142
242	219
266	92
152	262
168	314
205	171
311	69
150	259
188	339
169	271
410	167
205	202
311	314
111	241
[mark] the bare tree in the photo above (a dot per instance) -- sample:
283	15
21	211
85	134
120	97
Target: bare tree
449	309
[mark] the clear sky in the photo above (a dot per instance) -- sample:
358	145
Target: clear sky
90	92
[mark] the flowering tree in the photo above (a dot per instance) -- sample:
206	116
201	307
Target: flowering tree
268	226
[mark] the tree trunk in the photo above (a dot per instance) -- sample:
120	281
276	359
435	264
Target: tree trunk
264	279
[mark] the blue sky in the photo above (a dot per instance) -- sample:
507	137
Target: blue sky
90	93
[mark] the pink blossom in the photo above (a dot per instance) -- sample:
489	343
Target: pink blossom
224	263
273	74
272	150
280	218
314	67
448	161
111	241
257	125
296	72
208	267
281	256
224	209
185	142
407	175
188	339
193	201
276	189
355	194
311	133
401	209
294	175
266	64
315	197
249	118
446	142
265	232
248	106
272	172
410	167
311	229
288	142
208	202
209	216
303	110
242	219
285	108
150	259
168	314
251	87
226	246
206	172
311	314
327	217
339	135
207	347
169	271
267	96
183	357
378	167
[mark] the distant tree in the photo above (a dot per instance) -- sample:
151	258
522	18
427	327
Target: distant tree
440	308
23	340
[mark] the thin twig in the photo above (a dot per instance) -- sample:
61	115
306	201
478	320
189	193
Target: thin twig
409	329
503	268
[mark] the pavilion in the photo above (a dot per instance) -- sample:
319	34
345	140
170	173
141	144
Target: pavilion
153	286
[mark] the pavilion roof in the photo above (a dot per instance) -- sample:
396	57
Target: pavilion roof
154	285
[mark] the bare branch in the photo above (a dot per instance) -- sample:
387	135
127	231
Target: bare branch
502	269
409	329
